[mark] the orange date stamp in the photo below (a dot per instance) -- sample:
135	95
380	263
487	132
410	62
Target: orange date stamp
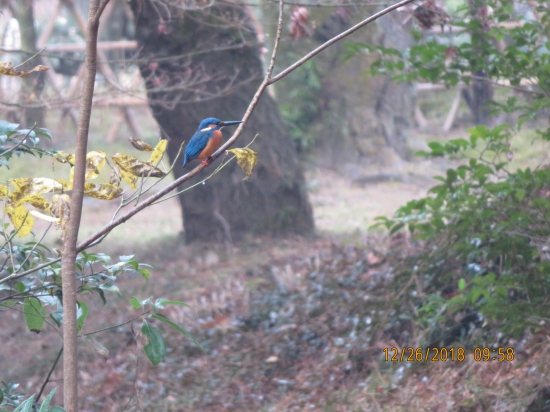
447	354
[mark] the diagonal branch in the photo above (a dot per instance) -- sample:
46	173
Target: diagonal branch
338	38
268	80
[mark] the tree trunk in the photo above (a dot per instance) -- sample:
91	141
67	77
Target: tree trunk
206	63
480	92
32	85
346	119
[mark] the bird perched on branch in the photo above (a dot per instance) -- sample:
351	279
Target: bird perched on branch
206	140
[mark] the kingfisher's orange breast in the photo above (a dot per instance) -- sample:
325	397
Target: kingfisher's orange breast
213	144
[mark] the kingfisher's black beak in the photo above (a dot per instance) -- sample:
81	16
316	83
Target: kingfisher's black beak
230	123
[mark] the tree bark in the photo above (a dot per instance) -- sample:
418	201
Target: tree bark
206	63
346	119
70	330
32	85
480	91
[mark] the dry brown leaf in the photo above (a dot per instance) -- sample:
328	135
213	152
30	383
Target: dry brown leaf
62	157
39	203
105	191
128	178
29	187
141	145
61	209
159	152
247	159
95	160
7	69
136	167
66	185
114	179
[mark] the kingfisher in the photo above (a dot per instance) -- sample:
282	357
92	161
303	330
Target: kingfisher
206	140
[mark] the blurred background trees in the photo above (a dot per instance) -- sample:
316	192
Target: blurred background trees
198	61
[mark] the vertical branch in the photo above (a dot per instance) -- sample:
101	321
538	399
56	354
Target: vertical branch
70	358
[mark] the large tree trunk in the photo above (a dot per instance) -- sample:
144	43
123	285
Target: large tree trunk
348	120
206	63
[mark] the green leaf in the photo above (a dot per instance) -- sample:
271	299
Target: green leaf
520	194
110	287
83	314
57	317
19	287
161	302
34	314
57	409
136	304
1	395
26	406
126	258
164	319
461	284
45	405
8	304
155	349
146	274
396	227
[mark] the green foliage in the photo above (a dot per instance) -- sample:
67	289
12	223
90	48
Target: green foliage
302	105
30	273
29	404
477	54
155	347
15	141
486	228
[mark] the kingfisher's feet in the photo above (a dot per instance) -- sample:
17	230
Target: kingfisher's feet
207	161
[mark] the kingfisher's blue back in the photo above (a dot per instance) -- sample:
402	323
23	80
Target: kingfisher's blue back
206	140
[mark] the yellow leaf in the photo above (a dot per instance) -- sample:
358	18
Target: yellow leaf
61	209
95	160
247	159
42	216
141	145
21	219
114	179
65	184
128	178
136	167
7	69
103	191
159	152
3	191
28	187
38	202
62	157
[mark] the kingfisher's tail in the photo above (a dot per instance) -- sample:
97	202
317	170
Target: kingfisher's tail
184	160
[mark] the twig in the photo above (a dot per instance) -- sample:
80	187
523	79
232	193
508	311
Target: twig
34	248
49	374
115	326
268	80
28	60
337	38
27	272
11	149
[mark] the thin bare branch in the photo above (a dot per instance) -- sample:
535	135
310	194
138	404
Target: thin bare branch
338	38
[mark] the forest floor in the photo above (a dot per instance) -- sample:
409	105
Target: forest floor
288	324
